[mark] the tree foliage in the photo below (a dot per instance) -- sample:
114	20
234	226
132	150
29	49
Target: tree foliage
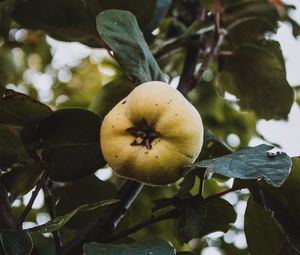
51	111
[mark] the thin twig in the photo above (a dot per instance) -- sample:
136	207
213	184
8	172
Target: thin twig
201	186
218	15
220	194
49	204
172	214
218	38
181	41
32	198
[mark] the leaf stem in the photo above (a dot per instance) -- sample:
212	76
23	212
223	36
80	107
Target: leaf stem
201	186
32	198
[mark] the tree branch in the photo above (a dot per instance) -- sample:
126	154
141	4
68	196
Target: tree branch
49	204
187	81
181	41
105	225
218	38
172	214
220	194
32	198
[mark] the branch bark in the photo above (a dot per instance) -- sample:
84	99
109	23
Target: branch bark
50	206
187	80
218	38
32	198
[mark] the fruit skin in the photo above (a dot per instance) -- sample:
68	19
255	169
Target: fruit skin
176	122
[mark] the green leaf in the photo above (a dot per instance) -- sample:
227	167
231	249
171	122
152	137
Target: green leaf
258	78
21	179
263	234
161	9
110	94
19	109
251	163
11	147
193	214
249	29
74	194
186	185
16	243
120	31
153	247
252	8
213	146
295	26
284	204
208	4
60	221
68	142
297	92
74	20
219	217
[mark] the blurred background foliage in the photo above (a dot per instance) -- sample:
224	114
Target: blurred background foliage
35	61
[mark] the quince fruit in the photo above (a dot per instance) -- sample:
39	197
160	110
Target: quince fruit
151	134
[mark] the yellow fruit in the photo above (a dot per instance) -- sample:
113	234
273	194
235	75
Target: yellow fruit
151	134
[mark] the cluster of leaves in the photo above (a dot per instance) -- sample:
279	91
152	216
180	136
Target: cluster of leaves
58	150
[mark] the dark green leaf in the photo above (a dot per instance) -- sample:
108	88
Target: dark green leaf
193	214
16	243
74	20
186	185
220	216
163	203
21	179
60	221
11	147
161	9
263	234
249	29
284	204
68	142
252	8
208	4
120	31
257	76
19	109
74	194
153	247
251	163
295	26
110	94
213	146
297	92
